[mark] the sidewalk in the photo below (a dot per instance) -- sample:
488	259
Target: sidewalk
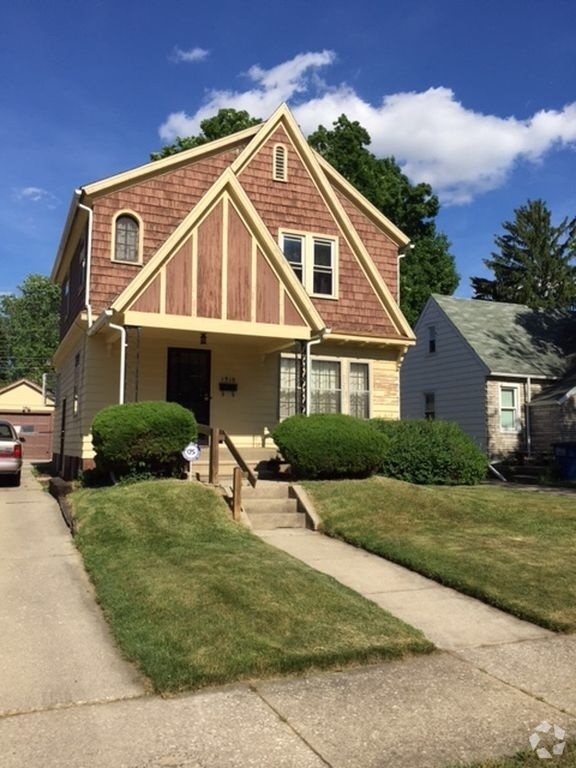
481	698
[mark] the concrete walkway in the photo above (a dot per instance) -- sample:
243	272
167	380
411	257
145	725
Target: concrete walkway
67	700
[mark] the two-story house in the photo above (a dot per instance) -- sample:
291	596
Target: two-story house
244	279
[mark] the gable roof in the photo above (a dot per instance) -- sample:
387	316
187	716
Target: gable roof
512	339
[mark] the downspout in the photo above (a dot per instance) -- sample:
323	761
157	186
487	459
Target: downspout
401	254
317	340
528	397
123	346
87	304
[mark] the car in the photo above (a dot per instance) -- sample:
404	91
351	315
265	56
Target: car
10	452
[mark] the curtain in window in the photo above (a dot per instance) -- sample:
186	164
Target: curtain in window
325	386
359	387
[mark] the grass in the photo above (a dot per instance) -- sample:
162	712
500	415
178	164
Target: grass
511	548
195	599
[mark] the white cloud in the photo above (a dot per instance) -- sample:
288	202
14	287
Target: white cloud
434	137
35	195
194	54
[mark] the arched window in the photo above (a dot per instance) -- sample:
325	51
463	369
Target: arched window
127	239
280	164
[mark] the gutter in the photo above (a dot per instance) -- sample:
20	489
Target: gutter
66	231
87	304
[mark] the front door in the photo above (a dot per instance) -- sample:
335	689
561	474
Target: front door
188	381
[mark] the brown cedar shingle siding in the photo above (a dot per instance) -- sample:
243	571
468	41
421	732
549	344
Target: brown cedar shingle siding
298	204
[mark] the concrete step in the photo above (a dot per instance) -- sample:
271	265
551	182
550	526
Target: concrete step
279	506
269	521
266	489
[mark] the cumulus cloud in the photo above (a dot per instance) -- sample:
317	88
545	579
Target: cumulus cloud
433	136
194	54
35	195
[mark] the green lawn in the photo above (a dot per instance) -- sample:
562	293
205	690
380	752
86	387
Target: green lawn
195	599
512	548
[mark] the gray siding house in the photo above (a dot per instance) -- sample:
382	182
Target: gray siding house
484	365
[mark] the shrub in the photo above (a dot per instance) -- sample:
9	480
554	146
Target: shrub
144	438
330	445
431	453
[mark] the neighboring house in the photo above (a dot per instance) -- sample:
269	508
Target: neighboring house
499	370
244	279
31	411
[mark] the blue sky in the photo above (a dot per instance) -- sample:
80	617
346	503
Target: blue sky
477	97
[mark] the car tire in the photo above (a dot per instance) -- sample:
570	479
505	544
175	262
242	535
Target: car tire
16	480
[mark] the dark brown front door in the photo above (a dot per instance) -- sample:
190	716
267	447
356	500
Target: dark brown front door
188	381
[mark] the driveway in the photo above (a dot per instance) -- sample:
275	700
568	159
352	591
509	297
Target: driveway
55	647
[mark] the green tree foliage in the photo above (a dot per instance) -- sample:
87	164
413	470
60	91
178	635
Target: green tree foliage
534	264
226	122
428	267
29	325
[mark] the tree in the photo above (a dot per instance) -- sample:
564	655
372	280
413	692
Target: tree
428	267
226	122
534	264
29	325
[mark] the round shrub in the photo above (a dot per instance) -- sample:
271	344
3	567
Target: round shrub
431	452
144	438
330	445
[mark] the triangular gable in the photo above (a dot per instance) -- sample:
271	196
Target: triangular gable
226	187
284	117
23	393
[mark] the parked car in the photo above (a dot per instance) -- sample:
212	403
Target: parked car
10	452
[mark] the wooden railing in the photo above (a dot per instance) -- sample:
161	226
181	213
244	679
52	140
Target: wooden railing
215	435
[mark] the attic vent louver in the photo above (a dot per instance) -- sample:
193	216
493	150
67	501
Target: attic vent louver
279	168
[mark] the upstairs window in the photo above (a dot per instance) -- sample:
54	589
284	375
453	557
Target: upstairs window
314	261
280	163
431	339
127	239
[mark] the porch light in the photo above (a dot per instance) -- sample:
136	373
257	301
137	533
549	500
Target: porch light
202	338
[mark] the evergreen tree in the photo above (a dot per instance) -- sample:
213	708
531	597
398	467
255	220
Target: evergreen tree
534	264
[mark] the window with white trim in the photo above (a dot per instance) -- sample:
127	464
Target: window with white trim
336	386
509	409
313	259
127	239
280	163
359	390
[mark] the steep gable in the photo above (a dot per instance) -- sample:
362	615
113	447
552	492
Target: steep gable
221	264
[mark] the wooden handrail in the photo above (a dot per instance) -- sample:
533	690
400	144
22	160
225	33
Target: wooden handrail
214	435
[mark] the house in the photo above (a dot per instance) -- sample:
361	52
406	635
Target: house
30	410
244	279
499	370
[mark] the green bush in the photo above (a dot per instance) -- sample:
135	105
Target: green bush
431	452
140	439
330	445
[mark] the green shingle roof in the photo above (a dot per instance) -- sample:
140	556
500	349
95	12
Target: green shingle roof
512	338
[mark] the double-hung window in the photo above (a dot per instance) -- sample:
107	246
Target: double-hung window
336	386
509	409
314	261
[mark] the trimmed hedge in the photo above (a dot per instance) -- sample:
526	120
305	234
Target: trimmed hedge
144	438
330	445
431	452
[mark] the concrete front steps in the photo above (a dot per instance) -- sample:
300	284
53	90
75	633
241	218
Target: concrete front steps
272	504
